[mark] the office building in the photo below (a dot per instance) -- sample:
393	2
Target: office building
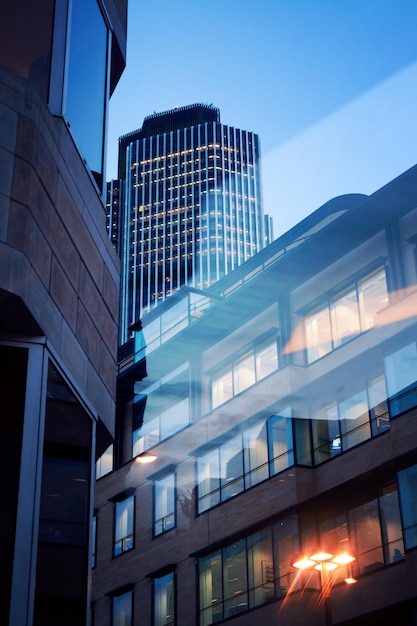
59	289
275	414
187	208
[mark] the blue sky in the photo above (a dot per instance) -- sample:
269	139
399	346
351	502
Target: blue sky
330	86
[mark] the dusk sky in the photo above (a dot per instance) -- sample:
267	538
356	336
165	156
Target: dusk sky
330	86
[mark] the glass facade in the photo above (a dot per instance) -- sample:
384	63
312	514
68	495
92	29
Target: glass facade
278	411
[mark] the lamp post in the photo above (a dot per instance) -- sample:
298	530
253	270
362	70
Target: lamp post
325	562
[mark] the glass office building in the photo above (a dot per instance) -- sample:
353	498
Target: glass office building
187	208
273	415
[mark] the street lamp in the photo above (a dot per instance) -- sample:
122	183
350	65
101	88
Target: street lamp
325	562
146	457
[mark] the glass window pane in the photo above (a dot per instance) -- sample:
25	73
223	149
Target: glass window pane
401	368
122	610
286	545
255	447
174	320
175	418
164	499
235	579
86	92
280	441
260	567
334	530
222	388
164	600
244	373
354	420
104	464
373	296
266	361
326	433
378	405
365	532
318	334
211	593
123	532
208	467
345	318
407	485
231	468
391	524
145	437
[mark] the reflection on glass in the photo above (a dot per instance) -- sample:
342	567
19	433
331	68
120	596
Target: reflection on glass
318	334
373	297
235	579
354	418
164	503
345	318
407	483
122	609
231	468
255	447
124	523
261	580
164	600
86	90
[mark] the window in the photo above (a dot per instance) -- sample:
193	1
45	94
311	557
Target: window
401	367
248	572
243	373
164	600
359	411
167	423
124	525
122	609
346	315
161	409
369	525
407	485
104	464
280	441
86	88
235	595
164	504
262	450
255	449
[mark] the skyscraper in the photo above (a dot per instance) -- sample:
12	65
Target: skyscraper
187	208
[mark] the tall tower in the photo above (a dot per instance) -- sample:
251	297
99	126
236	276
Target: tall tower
189	205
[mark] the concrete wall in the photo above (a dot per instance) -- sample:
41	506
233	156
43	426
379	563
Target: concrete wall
55	256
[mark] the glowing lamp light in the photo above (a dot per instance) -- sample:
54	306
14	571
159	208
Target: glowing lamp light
324	560
146	457
343	559
321	556
329	565
303	563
